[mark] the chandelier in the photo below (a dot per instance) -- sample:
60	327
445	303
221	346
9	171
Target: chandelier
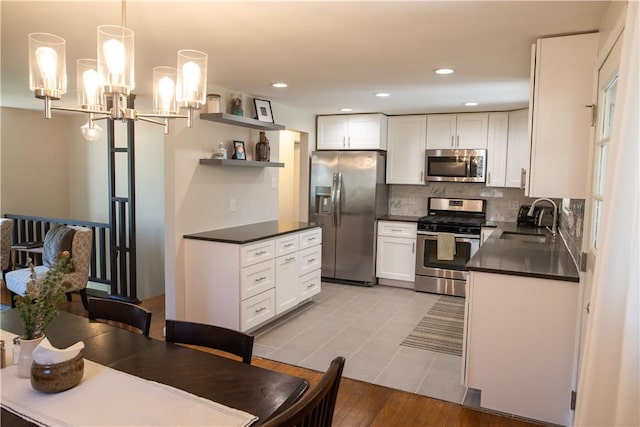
105	83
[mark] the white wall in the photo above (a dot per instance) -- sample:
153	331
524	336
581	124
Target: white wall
35	164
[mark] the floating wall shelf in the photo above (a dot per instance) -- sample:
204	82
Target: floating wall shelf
231	119
245	163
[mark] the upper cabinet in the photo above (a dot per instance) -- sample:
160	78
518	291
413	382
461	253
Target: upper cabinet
508	149
453	131
352	132
405	149
497	149
562	115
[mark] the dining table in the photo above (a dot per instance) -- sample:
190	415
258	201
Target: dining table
252	389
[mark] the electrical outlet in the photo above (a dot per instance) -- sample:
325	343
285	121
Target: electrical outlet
232	205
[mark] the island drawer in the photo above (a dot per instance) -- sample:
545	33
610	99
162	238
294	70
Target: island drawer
257	252
310	259
287	244
257	278
310	238
257	309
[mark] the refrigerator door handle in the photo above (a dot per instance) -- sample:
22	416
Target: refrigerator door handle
338	200
334	214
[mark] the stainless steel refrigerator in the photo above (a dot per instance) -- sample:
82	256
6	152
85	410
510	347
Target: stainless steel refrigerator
348	193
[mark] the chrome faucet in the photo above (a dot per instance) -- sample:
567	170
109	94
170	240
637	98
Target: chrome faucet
554	226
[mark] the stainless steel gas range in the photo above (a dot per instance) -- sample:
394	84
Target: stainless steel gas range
458	222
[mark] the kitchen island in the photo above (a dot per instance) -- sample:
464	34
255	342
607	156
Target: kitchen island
521	324
244	277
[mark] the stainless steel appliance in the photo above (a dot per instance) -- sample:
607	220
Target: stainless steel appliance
456	165
542	216
348	194
460	217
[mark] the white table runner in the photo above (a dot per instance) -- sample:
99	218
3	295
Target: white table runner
107	397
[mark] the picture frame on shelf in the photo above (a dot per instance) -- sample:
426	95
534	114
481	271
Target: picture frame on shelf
263	110
239	151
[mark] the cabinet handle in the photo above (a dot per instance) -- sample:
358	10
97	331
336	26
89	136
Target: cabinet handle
260	279
421	176
457	141
260	253
311	286
349	141
523	177
453	141
396	229
310	260
344	141
288	245
290	259
311	238
260	309
413	247
489	177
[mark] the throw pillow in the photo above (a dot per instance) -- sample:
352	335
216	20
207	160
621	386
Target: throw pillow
59	238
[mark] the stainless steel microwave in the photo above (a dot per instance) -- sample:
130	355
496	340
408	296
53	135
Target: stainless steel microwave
456	165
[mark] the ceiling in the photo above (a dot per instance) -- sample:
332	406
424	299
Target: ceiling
332	54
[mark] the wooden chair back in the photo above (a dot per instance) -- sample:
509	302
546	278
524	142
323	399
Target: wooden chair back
215	337
122	312
315	408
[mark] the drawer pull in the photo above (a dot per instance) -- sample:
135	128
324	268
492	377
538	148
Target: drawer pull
290	259
311	260
261	309
311	238
311	286
260	253
260	279
288	245
396	230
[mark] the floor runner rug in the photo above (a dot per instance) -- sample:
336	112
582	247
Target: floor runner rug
440	330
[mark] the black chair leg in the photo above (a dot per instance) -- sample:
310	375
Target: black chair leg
85	300
69	296
13	299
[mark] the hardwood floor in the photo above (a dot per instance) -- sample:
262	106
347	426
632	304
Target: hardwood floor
359	404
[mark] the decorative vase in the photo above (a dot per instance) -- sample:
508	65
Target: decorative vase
25	360
263	151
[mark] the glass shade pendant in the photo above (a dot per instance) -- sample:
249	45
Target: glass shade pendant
47	65
115	59
89	85
164	90
91	131
192	78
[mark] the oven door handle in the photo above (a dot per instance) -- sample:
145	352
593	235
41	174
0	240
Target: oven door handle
458	239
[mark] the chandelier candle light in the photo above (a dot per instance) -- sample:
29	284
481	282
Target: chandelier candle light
111	78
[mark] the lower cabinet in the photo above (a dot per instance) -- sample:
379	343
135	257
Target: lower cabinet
243	287
519	344
396	251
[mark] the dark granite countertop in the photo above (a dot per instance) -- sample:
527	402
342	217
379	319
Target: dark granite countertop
549	260
252	232
400	218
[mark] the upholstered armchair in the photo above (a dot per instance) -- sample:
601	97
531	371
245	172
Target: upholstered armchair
6	238
81	242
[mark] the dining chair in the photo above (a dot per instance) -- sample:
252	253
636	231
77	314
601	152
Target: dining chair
211	336
122	312
315	408
6	238
80	244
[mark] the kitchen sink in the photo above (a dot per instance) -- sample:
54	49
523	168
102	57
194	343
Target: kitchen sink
532	238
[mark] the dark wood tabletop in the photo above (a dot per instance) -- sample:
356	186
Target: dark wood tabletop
256	390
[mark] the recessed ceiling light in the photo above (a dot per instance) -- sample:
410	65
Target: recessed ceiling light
279	85
382	94
444	71
346	110
470	104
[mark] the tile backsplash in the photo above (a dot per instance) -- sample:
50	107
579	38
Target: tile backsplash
571	226
502	203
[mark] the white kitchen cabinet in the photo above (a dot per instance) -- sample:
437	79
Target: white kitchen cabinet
497	142
519	340
396	250
244	286
561	116
457	131
406	142
352	132
518	149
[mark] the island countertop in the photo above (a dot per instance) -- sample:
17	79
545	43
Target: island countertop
549	260
252	232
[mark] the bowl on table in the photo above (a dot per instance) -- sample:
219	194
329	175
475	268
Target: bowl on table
57	377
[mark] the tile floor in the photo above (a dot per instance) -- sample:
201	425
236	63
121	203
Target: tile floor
366	326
